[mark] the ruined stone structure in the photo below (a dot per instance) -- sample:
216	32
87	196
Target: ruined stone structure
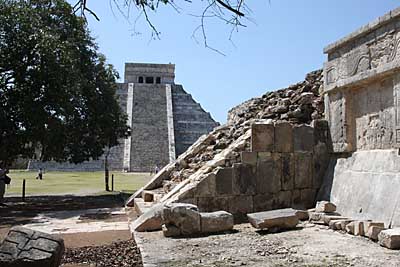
362	99
165	120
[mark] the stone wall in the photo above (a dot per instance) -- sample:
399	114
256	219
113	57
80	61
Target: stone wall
362	87
362	105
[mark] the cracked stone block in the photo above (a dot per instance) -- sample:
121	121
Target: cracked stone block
390	238
184	216
369	224
303	138
27	248
325	206
215	222
274	219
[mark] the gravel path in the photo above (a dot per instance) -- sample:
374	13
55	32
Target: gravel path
119	254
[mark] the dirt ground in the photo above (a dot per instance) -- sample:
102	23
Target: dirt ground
309	245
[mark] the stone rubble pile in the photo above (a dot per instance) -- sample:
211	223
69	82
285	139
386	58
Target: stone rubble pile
300	103
325	213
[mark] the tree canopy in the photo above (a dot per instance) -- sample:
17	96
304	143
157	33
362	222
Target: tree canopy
57	93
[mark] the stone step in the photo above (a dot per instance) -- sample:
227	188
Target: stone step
141	206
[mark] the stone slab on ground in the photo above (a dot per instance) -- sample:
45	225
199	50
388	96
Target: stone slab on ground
390	238
308	246
215	222
281	219
151	220
27	248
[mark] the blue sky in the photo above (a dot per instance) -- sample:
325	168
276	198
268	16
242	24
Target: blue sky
282	42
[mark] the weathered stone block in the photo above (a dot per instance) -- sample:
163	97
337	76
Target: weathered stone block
206	187
308	197
27	248
223	180
283	137
151	220
240	205
288	171
302	215
249	157
321	131
244	179
296	199
262	137
209	204
284	199
369	224
214	222
303	170
373	232
280	219
328	218
303	138
390	238
325	206
184	216
350	228
268	176
359	228
170	230
263	202
147	196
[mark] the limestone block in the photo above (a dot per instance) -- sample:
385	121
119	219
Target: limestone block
151	220
240	205
328	218
284	199
296	199
268	176
283	137
214	222
278	219
262	137
147	196
224	177
390	238
23	247
359	228
373	232
369	224
303	170
249	157
343	224
170	230
350	228
263	202
213	203
334	224
207	186
244	179
302	215
307	197
288	171
325	206
321	131
184	216
303	138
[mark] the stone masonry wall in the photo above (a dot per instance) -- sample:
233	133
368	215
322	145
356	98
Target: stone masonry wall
284	168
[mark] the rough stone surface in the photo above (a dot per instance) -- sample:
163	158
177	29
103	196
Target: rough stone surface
26	248
325	206
262	137
390	238
373	232
215	222
275	219
151	220
185	217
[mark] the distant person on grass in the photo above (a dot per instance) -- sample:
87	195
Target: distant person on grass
4	179
40	174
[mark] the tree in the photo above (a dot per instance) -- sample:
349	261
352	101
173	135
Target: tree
230	12
57	94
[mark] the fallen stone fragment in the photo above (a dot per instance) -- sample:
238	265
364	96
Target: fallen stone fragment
302	215
390	238
325	206
151	220
350	228
373	232
214	222
368	224
279	219
147	196
170	230
27	248
328	218
184	216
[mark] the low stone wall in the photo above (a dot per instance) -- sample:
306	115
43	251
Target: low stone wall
284	169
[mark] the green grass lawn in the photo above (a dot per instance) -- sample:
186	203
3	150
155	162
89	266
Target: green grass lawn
55	183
